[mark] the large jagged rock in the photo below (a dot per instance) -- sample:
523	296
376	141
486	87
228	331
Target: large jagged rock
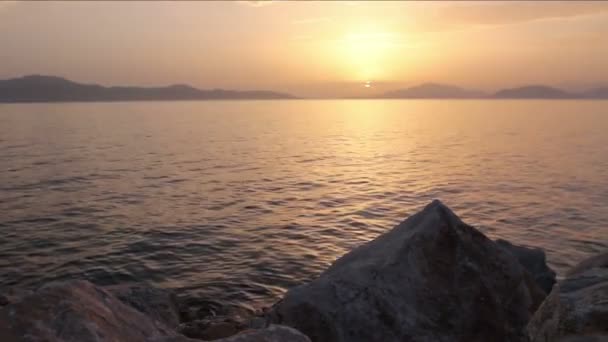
577	308
159	304
534	261
431	278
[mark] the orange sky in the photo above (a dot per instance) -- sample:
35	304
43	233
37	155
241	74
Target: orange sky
309	48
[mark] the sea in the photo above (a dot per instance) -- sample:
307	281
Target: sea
234	202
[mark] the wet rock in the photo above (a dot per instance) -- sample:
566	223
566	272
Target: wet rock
212	329
598	261
197	308
156	303
75	311
431	278
3	300
274	333
577	308
208	320
257	323
534	261
584	338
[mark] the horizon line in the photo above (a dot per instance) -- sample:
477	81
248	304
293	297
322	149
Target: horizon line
565	94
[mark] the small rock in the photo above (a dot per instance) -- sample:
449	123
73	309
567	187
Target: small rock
212	328
221	330
577	308
257	323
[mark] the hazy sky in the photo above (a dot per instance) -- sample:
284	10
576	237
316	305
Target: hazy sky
308	48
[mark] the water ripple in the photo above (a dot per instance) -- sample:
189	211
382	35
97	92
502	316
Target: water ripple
232	203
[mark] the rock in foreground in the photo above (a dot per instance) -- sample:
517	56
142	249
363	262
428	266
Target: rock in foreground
577	308
155	303
534	261
431	278
75	311
273	333
78	311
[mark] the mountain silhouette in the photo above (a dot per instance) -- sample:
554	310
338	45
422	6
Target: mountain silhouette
433	91
38	88
535	92
443	91
596	93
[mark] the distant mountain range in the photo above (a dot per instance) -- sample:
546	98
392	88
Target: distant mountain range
535	92
37	88
442	91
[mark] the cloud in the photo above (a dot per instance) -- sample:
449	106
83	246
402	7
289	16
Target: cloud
505	13
311	21
6	4
257	3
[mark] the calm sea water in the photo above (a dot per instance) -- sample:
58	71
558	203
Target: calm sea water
237	201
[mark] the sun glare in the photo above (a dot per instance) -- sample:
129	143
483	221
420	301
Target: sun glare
366	54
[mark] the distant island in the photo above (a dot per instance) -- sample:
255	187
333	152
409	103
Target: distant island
38	88
443	91
536	92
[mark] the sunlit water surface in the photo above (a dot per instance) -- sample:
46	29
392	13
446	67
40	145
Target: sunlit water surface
237	201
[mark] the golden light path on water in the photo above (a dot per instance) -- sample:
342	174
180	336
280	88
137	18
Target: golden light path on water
238	201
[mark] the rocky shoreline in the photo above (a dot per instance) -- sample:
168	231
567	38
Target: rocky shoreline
430	278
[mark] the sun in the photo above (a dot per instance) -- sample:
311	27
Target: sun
366	53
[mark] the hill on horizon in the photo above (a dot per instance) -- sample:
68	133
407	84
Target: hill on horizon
40	88
433	91
535	92
443	91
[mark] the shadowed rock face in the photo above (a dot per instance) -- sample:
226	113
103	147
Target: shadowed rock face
598	261
431	278
534	261
75	311
577	308
155	303
272	333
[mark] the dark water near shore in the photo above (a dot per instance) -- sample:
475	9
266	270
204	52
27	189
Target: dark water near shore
236	201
